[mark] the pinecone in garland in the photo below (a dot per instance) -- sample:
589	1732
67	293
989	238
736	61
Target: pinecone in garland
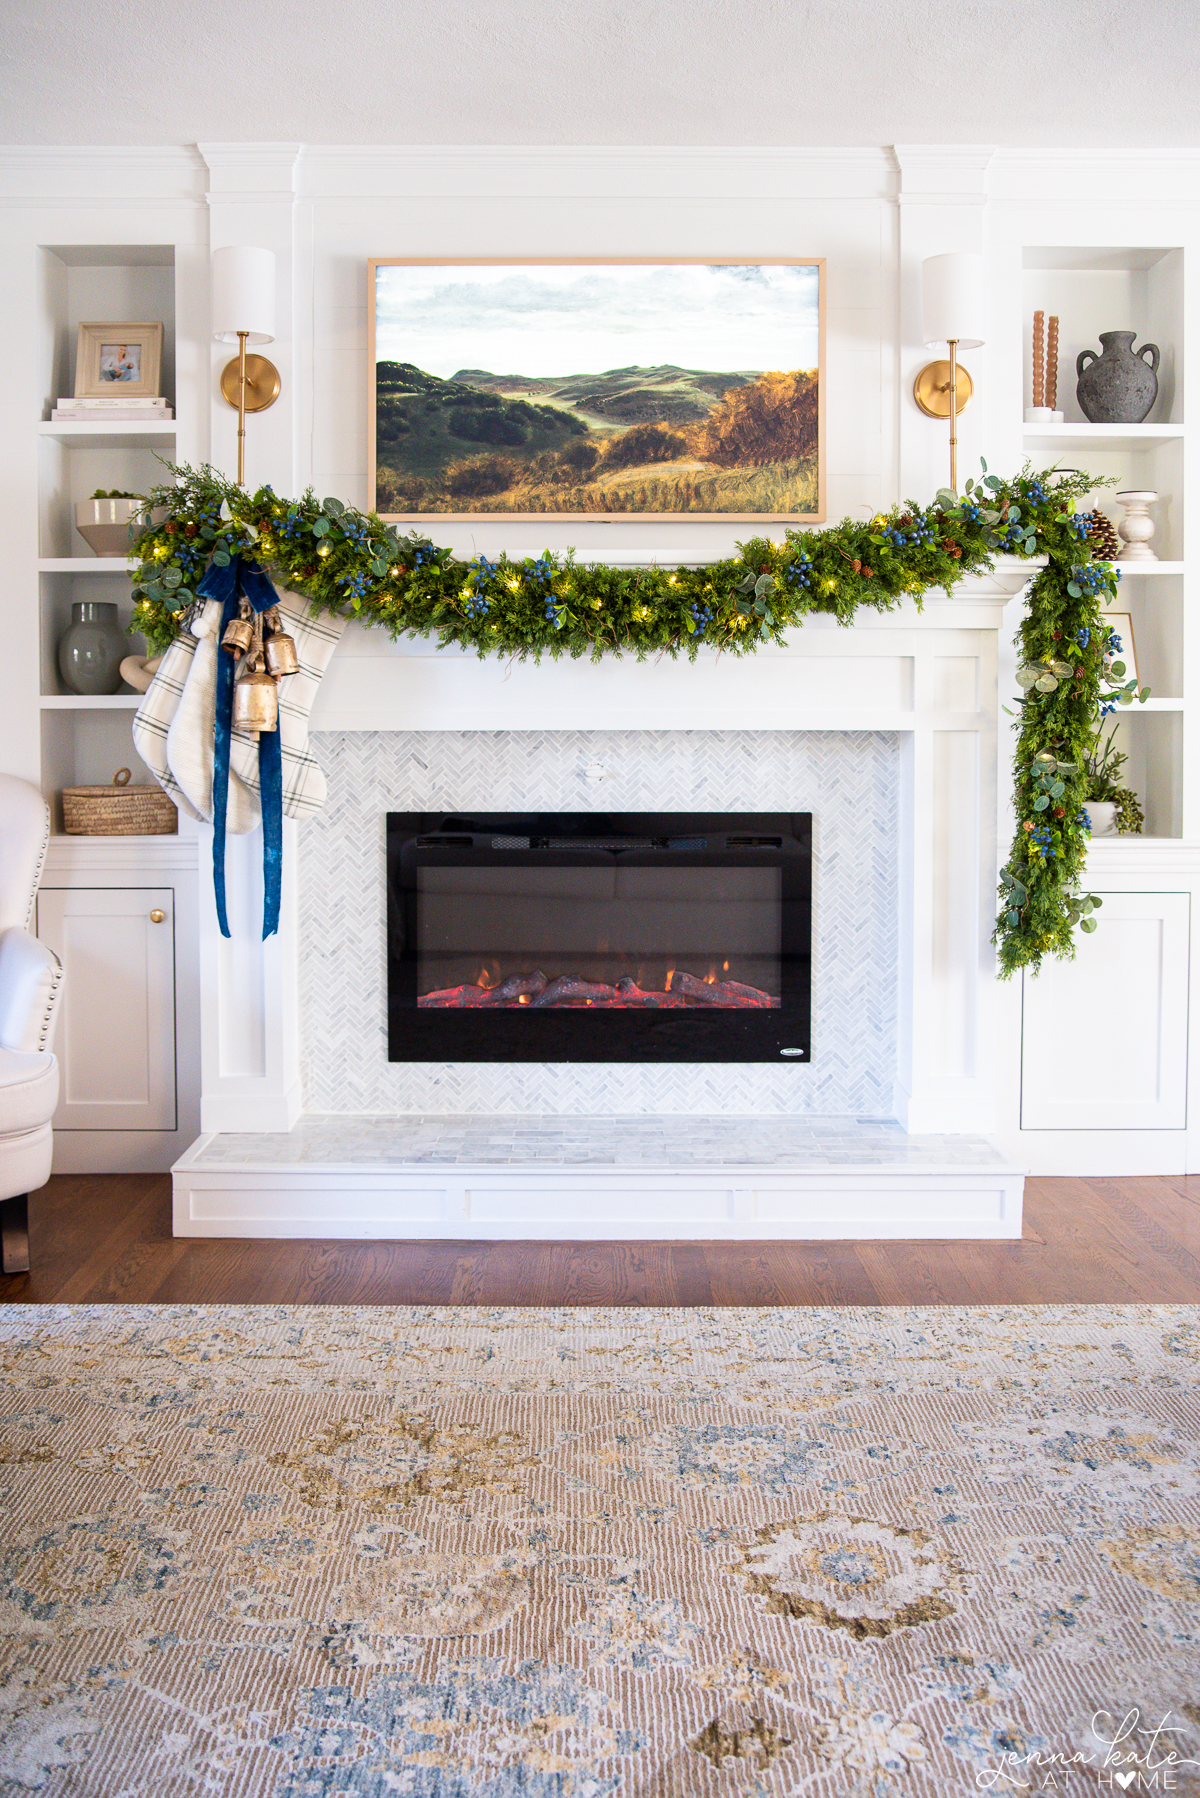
1103	537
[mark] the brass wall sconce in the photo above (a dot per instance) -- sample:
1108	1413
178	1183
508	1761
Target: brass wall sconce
952	311
243	312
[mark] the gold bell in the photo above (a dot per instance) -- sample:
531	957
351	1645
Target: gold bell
255	700
239	634
281	654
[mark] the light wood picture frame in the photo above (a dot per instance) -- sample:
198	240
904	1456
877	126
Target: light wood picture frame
1122	623
599	389
119	360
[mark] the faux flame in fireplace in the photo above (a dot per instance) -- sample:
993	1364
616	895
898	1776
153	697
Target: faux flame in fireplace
568	937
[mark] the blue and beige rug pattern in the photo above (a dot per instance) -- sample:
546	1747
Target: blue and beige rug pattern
295	1552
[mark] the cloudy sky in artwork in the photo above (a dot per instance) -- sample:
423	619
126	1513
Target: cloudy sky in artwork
544	320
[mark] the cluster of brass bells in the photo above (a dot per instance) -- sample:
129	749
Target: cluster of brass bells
266	652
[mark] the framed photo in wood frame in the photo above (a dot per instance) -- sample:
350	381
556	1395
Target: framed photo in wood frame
1122	623
119	359
606	389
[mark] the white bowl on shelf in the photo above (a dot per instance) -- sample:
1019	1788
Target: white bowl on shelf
104	524
1102	815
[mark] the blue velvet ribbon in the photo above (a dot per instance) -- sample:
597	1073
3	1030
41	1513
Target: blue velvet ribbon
242	578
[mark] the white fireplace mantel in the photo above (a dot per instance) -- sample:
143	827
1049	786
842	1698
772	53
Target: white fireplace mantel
870	676
930	675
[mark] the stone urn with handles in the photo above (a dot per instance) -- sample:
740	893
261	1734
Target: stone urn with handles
1120	386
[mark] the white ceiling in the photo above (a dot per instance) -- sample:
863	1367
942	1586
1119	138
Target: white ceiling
809	72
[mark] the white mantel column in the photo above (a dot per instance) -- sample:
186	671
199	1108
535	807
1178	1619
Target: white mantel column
249	989
947	1080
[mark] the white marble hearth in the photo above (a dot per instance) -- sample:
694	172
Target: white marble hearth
593	1178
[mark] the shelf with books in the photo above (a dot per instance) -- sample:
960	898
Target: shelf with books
115	434
85	739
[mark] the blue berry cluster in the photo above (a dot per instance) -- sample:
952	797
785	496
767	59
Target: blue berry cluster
1082	819
1043	839
1092	577
1078	524
701	616
189	559
796	574
542	571
921	531
972	513
425	554
1083	636
355	584
483	571
1037	492
1112	645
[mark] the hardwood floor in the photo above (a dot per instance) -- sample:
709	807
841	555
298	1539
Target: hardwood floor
106	1238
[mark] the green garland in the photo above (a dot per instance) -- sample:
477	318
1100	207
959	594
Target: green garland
354	565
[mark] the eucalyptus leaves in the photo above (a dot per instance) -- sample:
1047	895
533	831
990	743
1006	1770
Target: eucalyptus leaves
357	566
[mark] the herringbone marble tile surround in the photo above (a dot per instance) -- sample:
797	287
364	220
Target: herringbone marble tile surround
849	780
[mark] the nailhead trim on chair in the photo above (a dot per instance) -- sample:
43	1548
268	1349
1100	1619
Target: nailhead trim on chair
37	877
48	1014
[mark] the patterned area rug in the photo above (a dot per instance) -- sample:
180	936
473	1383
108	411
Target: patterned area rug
290	1552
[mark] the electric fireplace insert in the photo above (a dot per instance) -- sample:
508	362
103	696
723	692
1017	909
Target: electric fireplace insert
584	936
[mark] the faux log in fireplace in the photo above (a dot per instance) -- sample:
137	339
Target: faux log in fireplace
577	936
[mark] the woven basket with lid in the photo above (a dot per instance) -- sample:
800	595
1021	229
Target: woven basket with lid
119	810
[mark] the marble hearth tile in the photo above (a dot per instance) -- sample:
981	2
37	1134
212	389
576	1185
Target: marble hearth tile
327	1139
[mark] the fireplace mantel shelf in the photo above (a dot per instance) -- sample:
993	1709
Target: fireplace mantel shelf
826	677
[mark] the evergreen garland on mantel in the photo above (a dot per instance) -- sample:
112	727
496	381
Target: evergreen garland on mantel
352	564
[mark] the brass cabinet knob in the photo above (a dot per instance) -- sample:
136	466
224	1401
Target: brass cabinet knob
156	916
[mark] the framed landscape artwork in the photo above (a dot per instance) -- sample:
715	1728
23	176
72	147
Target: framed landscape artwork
597	389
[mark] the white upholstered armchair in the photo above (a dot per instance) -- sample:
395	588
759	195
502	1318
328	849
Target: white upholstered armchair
30	978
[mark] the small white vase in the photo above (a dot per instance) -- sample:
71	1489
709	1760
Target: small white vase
1102	814
1137	527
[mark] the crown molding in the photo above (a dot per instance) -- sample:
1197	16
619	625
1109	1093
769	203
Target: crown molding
943	174
121	174
256	173
1149	175
599	171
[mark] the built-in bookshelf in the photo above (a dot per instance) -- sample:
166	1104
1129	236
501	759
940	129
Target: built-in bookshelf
85	740
1141	288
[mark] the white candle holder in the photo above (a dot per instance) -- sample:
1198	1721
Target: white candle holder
1136	527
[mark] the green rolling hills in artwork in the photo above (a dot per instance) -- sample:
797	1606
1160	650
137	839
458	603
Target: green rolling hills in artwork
633	439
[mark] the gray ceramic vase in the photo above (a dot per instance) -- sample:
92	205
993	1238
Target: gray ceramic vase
1118	387
91	649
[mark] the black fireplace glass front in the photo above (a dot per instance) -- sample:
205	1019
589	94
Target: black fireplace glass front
614	937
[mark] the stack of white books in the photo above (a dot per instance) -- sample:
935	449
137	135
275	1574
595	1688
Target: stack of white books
109	411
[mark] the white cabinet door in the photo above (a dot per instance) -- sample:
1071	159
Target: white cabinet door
1104	1038
116	1026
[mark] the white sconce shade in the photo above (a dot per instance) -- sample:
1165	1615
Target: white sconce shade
243	294
953	308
